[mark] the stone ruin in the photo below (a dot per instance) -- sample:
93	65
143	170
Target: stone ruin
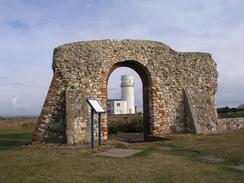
178	89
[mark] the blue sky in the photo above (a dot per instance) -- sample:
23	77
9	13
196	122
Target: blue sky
31	29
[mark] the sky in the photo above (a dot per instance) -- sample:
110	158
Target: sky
31	29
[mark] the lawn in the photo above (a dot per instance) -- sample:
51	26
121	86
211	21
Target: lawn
10	138
64	163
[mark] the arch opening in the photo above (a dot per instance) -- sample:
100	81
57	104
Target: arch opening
145	78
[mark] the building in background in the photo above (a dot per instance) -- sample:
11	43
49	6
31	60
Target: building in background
125	105
116	106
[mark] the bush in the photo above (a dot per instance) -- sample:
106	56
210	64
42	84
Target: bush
114	128
133	126
227	112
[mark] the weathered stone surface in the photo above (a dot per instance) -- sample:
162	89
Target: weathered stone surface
228	124
119	153
202	116
77	125
84	68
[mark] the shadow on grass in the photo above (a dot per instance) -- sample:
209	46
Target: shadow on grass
10	138
136	138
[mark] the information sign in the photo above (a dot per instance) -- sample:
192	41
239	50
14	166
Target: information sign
96	105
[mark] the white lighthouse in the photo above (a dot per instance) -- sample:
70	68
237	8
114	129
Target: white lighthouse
125	105
127	93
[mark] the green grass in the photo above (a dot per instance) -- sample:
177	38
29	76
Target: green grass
53	163
228	145
10	138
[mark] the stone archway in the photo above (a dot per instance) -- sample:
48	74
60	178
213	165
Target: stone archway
179	89
146	90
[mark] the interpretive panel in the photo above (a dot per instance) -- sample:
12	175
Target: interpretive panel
96	105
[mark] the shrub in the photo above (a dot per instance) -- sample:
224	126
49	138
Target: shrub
133	126
136	125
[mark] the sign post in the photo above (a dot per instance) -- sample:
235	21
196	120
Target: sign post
92	128
99	129
96	107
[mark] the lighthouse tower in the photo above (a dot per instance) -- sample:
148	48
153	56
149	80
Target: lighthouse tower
127	93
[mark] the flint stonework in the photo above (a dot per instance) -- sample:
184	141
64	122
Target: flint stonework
178	89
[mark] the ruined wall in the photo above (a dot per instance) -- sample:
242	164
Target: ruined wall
86	66
229	124
201	118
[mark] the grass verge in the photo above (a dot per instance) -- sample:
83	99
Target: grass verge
50	163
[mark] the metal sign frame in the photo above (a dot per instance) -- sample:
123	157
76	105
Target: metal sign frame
96	107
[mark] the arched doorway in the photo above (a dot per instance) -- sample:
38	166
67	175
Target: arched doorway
146	91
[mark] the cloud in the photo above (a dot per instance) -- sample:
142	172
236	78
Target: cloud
17	103
18	84
30	30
